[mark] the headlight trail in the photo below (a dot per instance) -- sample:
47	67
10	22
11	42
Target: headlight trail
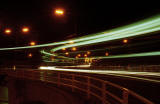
155	53
106	39
148	23
50	54
137	25
55	61
132	27
114	47
47	53
126	74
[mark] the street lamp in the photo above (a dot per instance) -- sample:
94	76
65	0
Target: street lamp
32	43
59	12
88	52
8	31
25	29
62	13
106	53
30	55
125	41
67	53
85	55
79	55
74	48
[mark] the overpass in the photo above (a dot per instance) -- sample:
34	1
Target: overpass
65	87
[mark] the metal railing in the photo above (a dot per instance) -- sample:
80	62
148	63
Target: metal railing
150	68
104	91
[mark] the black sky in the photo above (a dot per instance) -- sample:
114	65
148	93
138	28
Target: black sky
89	16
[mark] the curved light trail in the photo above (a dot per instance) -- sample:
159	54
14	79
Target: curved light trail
126	74
155	53
148	23
104	39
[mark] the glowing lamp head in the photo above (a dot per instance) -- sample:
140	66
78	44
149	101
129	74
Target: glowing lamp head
106	53
30	55
59	11
8	31
125	41
85	55
88	52
25	29
67	53
74	49
79	55
32	43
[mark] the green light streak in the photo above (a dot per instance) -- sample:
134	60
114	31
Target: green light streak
139	25
46	53
148	23
155	53
83	51
104	39
55	55
115	47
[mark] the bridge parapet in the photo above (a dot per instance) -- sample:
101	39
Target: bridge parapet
104	91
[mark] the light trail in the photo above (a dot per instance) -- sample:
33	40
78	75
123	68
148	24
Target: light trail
114	47
156	53
113	73
50	54
148	23
47	53
105	39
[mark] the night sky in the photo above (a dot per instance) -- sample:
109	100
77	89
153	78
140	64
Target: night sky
81	17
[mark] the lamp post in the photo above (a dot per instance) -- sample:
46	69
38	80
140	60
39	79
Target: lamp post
60	12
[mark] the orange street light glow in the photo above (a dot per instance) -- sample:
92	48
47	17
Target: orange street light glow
125	41
85	55
88	52
79	55
63	49
32	43
59	11
67	53
30	55
25	29
74	49
106	53
8	31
